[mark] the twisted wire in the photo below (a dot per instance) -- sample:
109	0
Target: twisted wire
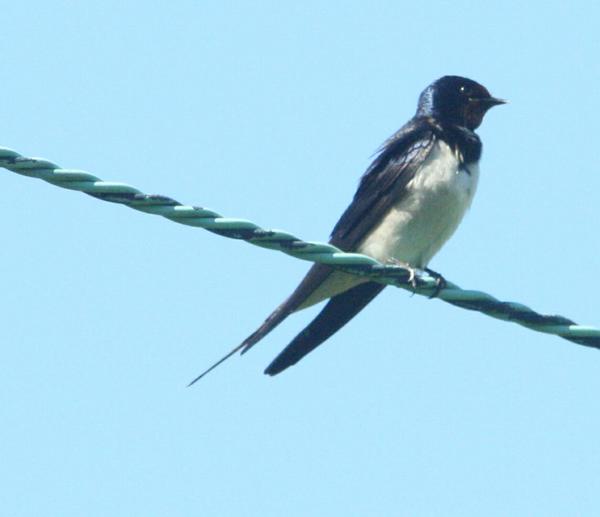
423	284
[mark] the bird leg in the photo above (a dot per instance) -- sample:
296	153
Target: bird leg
440	282
412	272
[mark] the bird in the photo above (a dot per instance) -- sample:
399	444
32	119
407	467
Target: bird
409	202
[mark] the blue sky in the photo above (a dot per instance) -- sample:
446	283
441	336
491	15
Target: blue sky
271	111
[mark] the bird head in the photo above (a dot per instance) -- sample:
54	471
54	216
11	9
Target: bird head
456	100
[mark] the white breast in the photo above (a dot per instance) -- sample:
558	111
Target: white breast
419	224
436	200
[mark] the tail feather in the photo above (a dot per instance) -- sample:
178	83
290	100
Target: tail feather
313	279
276	317
338	311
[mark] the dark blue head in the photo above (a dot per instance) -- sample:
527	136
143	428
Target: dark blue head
456	100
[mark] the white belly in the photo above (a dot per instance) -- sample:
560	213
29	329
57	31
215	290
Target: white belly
417	227
419	224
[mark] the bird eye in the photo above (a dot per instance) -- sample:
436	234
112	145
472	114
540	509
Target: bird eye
462	89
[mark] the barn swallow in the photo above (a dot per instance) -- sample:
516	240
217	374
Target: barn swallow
408	203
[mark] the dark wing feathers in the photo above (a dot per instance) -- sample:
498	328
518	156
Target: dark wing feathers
382	184
380	187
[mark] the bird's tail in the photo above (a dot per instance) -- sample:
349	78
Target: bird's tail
314	278
338	311
276	317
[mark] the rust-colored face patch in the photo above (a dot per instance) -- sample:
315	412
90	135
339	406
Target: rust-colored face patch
474	112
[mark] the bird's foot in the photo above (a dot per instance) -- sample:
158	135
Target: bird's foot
412	272
440	282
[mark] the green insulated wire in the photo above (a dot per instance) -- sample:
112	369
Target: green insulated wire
355	263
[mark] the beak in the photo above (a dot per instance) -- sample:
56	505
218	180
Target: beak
492	101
